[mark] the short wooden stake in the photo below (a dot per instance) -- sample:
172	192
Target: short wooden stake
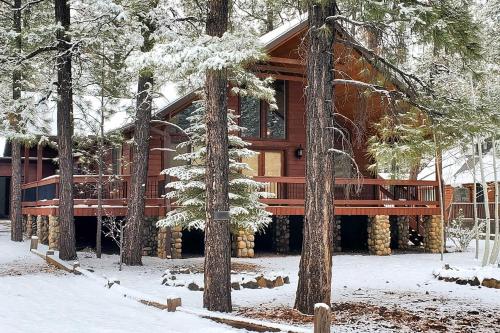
34	243
322	318
173	303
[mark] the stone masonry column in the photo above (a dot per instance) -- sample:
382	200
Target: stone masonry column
176	243
30	226
403	225
149	237
25	219
337	237
53	233
379	235
42	229
432	236
282	234
243	244
162	242
169	243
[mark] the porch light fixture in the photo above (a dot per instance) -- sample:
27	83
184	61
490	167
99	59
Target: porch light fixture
299	152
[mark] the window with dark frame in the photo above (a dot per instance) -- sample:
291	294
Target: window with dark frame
262	122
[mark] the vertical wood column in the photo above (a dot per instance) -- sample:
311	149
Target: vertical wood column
39	162
26	164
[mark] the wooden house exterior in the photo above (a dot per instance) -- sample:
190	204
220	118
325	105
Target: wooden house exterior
378	210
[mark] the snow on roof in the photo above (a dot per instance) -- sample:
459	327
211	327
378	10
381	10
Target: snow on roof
86	110
458	168
272	36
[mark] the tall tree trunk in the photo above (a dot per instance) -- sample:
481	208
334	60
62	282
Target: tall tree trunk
486	204
474	198
496	245
100	167
315	271
132	250
132	242
217	293
67	250
15	198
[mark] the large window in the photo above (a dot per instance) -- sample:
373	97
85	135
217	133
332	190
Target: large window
260	121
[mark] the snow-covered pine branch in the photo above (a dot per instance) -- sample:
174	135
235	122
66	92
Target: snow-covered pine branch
188	189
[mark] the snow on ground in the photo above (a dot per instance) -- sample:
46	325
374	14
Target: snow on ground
363	286
35	297
396	293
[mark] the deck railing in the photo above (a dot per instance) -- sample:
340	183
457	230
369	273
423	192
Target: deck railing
115	190
357	192
288	191
467	210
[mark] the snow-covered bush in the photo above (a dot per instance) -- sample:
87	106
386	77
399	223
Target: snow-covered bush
188	188
460	234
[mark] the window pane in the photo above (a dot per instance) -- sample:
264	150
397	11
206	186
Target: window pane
181	120
250	117
276	119
253	163
272	162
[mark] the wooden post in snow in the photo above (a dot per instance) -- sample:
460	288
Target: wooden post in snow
322	318
34	243
173	303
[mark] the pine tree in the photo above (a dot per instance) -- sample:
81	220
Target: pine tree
189	191
315	271
140	160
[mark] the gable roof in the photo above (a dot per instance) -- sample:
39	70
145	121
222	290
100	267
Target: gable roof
279	36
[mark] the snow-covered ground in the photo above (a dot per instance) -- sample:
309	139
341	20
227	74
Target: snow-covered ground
36	298
397	293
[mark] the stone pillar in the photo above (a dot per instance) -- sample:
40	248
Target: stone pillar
403	225
282	234
337	237
169	243
163	236
53	233
176	242
25	219
149	237
243	244
379	235
31	226
432	236
42	229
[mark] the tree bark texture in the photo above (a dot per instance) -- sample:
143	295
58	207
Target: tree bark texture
15	197
315	270
15	203
132	250
132	242
217	292
67	250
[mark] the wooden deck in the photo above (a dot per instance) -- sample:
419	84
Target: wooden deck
352	196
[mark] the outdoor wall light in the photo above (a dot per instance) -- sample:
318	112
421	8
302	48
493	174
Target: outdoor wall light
299	152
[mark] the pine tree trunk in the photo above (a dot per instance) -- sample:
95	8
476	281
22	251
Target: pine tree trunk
486	203
474	198
67	250
315	269
132	236
15	204
217	293
496	245
15	198
132	250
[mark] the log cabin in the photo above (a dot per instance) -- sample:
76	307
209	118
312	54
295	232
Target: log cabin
372	214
